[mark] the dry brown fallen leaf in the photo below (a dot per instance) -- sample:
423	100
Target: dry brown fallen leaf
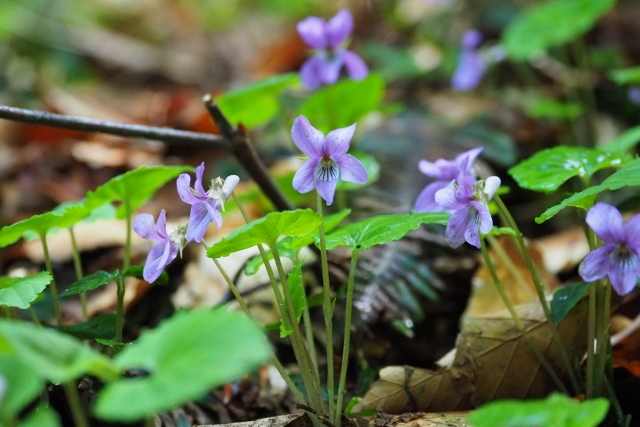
492	361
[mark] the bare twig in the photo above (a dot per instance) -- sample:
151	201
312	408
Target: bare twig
245	152
234	140
168	135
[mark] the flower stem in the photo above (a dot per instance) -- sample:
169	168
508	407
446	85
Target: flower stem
500	288
79	417
506	260
52	286
308	332
312	382
77	263
120	279
540	290
347	337
297	343
245	308
327	309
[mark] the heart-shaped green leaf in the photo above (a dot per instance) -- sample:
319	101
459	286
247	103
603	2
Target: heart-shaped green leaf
565	298
266	230
41	224
548	169
347	101
134	188
551	23
290	246
54	355
557	410
381	229
22	291
625	177
187	355
102	326
257	103
22	385
625	141
87	283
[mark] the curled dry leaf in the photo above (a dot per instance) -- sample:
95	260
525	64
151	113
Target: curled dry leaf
492	361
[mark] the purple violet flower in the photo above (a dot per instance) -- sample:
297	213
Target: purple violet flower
166	248
468	198
444	171
328	39
619	255
471	64
328	159
205	205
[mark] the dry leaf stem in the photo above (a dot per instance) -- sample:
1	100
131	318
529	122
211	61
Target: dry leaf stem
523	330
540	290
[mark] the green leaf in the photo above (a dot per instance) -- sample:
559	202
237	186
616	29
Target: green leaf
548	169
625	177
290	246
22	291
266	230
565	298
23	385
102	326
138	270
53	355
294	281
381	229
187	355
106	211
135	187
624	142
41	417
551	23
344	103
557	410
87	283
625	76
41	224
257	103
551	109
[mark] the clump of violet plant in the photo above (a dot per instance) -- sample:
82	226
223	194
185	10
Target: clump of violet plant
328	39
205	209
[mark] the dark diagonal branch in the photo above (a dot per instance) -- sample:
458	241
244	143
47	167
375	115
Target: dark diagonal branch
245	152
168	135
234	140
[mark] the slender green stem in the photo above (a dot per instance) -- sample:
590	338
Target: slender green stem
52	285
347	337
119	307
299	349
314	390
127	244
79	416
327	309
308	333
245	308
591	338
7	311
34	316
506	261
523	330
77	263
541	294
120	280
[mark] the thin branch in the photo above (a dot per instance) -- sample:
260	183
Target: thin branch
246	154
168	135
233	140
